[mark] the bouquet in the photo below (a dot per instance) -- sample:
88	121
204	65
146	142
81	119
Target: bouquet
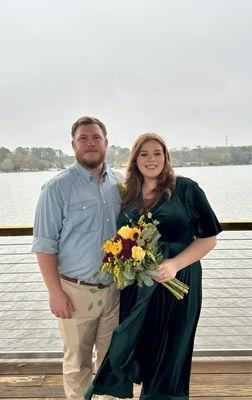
133	255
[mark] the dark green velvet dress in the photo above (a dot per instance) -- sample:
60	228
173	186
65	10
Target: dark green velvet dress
153	343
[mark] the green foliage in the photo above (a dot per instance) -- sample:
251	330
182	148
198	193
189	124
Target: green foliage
93	290
128	275
228	155
4	153
117	156
41	158
34	159
7	165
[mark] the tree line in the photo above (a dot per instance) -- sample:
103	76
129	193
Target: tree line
226	155
43	158
32	159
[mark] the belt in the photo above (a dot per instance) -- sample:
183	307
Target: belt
98	285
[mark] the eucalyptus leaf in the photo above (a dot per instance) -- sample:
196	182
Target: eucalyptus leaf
99	303
159	258
140	242
148	281
142	275
147	233
92	290
140	282
152	273
90	306
128	275
153	257
155	239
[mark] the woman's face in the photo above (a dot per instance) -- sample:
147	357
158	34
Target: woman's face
151	160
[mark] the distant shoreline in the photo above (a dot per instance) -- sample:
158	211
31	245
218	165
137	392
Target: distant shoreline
48	159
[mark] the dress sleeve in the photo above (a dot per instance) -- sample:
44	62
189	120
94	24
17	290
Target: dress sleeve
204	219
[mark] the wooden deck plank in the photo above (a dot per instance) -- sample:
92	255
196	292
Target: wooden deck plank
199	366
215	384
53	380
222	379
18	381
210	380
31	392
30	368
222	367
135	398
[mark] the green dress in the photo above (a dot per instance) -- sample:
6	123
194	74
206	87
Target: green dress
153	343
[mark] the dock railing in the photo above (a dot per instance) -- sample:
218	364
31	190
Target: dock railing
28	330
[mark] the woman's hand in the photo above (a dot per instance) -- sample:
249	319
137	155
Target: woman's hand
167	270
194	252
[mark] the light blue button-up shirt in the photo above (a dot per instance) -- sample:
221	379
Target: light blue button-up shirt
75	214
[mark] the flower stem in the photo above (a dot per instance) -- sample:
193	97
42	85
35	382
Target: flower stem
178	286
175	293
180	283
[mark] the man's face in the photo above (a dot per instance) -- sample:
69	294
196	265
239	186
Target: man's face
89	145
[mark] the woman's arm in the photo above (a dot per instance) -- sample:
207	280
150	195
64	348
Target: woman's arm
194	252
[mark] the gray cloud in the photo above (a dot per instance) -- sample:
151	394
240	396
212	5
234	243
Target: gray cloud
181	68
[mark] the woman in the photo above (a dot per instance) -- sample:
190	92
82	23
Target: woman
153	343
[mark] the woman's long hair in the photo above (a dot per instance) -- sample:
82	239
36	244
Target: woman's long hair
134	179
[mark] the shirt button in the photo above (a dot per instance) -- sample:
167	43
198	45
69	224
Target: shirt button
84	208
107	219
104	201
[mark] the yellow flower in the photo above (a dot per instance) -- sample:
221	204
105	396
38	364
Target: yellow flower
135	233
137	252
121	188
104	266
107	246
116	247
124	232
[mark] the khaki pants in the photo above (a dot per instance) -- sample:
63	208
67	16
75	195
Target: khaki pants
86	328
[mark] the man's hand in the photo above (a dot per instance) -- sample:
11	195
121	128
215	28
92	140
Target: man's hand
60	304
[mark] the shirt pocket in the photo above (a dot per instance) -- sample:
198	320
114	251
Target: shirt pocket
84	216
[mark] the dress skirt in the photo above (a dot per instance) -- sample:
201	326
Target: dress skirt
153	343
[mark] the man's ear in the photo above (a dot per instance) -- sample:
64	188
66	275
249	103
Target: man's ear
73	144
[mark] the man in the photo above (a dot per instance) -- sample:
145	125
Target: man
76	212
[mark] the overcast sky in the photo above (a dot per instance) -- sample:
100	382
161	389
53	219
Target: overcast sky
181	68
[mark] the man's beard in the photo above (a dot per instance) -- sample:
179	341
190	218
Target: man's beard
90	164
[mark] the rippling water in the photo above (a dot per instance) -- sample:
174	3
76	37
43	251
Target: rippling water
229	189
226	319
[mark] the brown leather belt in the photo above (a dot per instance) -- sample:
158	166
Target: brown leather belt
98	285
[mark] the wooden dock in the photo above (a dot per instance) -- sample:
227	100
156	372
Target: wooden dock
210	380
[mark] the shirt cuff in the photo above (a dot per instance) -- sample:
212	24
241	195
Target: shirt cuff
45	245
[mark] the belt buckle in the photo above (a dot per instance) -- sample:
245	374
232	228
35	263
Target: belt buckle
101	286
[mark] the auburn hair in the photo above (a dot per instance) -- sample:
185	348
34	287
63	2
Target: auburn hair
134	179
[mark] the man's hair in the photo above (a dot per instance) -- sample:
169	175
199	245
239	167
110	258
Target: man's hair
88	121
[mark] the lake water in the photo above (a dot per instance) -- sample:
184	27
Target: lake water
228	188
226	319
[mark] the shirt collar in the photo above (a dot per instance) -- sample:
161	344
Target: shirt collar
87	175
